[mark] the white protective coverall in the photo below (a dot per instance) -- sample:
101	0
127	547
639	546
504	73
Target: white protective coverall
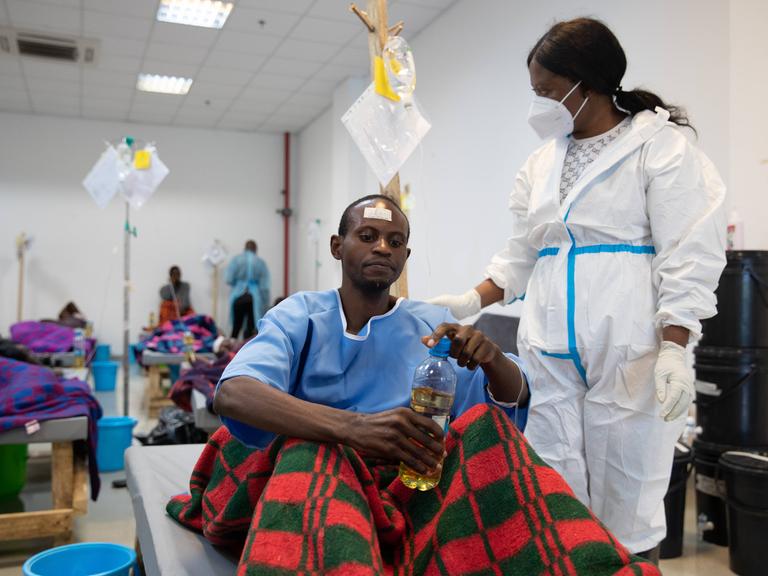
638	244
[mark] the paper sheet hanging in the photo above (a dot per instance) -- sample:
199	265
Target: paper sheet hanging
386	132
103	181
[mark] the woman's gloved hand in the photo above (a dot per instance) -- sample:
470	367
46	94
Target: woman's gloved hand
460	305
674	381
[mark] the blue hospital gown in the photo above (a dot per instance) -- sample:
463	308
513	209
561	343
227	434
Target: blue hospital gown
367	372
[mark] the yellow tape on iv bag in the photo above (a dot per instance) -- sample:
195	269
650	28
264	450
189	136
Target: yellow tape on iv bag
380	82
142	159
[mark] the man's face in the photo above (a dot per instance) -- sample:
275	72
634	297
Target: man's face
374	250
176	276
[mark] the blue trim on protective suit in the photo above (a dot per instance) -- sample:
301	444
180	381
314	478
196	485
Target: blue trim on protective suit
600	248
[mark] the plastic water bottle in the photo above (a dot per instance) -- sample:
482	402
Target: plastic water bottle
78	347
434	385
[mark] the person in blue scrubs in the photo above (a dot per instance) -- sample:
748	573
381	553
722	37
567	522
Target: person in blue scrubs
337	366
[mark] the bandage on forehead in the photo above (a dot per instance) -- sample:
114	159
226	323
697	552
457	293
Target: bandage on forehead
378	212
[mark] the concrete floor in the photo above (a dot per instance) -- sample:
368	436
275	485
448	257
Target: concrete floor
110	519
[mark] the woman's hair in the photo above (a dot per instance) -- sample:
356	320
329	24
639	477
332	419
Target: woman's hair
585	49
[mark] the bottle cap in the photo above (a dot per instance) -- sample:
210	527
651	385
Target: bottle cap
441	348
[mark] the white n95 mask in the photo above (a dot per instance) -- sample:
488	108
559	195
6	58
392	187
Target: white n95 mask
550	118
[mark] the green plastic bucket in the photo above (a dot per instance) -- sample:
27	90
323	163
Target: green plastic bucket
13	469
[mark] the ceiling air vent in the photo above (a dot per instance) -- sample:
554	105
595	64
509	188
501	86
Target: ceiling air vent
59	48
47	47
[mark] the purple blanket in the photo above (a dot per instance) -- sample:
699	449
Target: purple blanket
43	337
29	392
169	336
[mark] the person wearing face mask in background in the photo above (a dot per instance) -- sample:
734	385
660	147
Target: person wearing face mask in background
617	243
248	276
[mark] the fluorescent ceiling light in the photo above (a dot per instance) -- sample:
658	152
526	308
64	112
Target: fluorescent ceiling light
206	13
163	84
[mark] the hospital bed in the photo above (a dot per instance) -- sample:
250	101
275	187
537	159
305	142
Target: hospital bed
157	396
154	474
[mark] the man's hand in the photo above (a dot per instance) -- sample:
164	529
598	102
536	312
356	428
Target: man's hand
395	436
470	347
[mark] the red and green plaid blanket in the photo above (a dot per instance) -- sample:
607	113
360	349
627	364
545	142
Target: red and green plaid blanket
306	508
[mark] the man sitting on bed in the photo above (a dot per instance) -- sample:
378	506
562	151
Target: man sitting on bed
318	407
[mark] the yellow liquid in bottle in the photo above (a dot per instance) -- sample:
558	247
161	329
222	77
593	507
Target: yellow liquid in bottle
435	405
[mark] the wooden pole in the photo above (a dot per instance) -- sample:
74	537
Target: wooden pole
215	291
20	249
375	20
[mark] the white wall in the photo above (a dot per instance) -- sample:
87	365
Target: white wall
749	119
222	185
474	86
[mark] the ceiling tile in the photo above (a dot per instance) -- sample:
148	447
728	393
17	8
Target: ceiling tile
336	72
334	10
247	43
12	95
168	68
252	107
151	116
187	35
164	102
50	101
250	20
275	82
117	104
176	53
15	106
104	114
49	17
213	90
239	60
242	125
137	8
307	101
330	31
12	83
39	67
103	25
95	76
67	3
231	76
441	4
292	6
309	51
107	91
358	57
299	110
119	63
122	47
319	86
52	87
201	101
286	67
195	120
56	109
415	17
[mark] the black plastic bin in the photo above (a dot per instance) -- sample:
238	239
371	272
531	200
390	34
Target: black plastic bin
746	484
710	506
742	303
732	396
674	502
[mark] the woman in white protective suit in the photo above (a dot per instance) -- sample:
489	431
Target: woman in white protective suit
617	243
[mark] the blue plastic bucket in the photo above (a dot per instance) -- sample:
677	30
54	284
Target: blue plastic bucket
115	435
174	370
82	559
104	375
103	353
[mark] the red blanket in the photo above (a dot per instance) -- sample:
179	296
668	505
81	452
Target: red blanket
307	508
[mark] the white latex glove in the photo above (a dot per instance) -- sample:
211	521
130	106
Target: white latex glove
460	305
674	381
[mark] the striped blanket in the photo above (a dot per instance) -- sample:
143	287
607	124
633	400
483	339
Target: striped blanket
307	508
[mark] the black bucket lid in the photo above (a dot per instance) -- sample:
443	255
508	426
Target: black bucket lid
751	255
745	462
738	354
701	447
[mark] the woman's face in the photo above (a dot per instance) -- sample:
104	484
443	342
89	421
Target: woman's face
550	85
